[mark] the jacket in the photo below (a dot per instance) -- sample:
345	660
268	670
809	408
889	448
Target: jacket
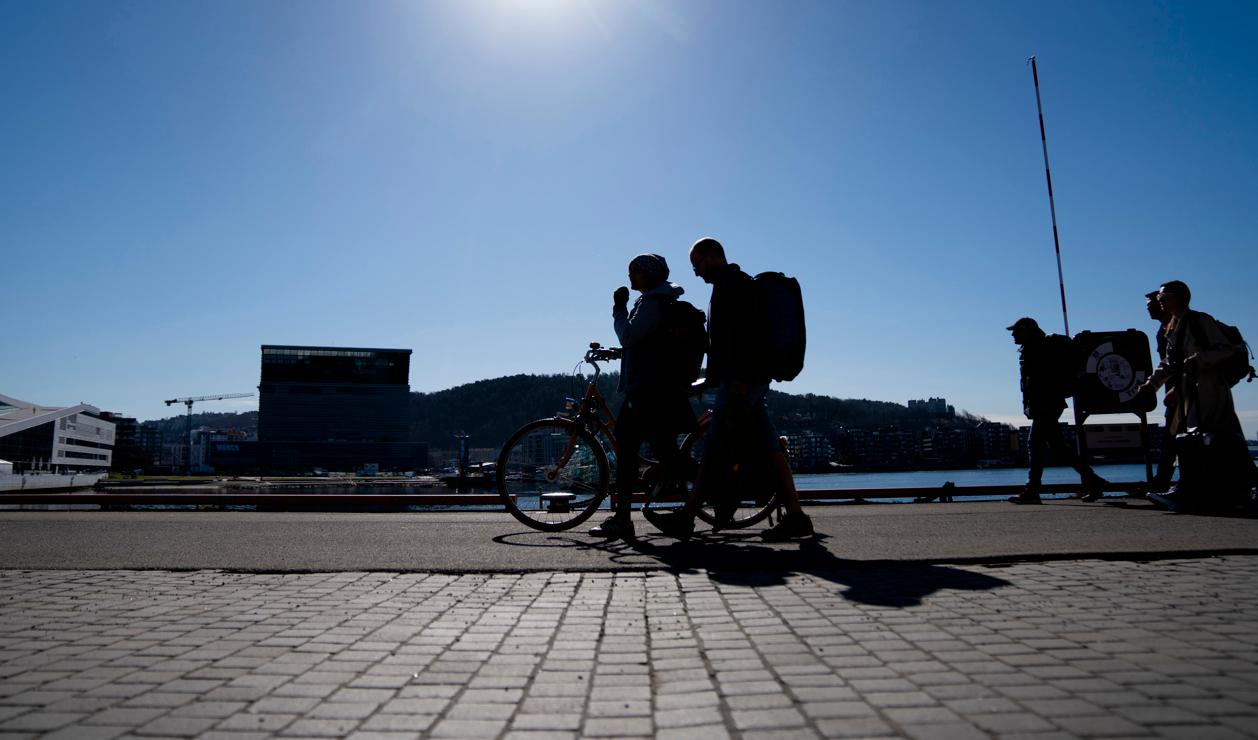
642	364
737	329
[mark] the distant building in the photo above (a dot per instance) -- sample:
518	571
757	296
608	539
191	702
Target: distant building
126	428
998	444
54	439
323	394
809	451
333	408
151	439
888	448
932	407
1106	443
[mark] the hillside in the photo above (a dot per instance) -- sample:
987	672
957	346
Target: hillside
489	410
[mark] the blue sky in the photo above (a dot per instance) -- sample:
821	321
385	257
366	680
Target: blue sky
187	181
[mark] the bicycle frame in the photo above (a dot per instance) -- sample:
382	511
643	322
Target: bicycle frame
593	412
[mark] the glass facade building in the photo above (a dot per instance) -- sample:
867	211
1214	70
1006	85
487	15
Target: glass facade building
334	408
325	394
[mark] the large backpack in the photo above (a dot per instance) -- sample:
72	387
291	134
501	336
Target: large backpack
684	335
1065	363
786	335
1238	365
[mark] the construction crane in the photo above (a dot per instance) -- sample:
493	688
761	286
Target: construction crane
188	402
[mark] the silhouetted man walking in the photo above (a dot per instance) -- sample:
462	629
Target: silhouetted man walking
737	330
1044	367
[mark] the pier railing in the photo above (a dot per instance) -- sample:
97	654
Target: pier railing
215	498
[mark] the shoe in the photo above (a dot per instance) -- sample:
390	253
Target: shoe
613	528
676	524
1026	497
792	526
1090	496
1173	501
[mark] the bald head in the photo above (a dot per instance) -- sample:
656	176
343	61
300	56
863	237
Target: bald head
706	246
705	255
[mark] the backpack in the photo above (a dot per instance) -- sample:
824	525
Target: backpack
683	334
1237	366
1066	364
786	335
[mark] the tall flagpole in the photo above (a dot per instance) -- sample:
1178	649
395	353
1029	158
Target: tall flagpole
1061	283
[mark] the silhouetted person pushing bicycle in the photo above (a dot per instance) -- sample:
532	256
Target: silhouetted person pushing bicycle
737	329
656	406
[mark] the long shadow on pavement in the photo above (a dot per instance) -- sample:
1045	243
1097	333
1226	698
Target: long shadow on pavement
743	559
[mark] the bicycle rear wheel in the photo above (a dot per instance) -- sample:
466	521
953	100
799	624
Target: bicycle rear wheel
733	502
552	475
735	499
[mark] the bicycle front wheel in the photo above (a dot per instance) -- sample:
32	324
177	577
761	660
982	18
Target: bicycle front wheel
552	475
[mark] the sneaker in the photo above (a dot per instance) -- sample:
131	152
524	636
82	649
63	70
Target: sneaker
1165	500
1093	489
677	524
792	526
614	528
1026	497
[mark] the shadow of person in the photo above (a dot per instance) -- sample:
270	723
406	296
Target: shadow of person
741	558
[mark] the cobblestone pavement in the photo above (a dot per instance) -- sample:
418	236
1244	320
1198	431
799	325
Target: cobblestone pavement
1043	650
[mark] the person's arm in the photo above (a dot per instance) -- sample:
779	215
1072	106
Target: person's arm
631	330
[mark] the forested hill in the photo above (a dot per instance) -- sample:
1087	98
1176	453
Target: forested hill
489	410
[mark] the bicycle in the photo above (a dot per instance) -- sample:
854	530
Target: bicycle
554	473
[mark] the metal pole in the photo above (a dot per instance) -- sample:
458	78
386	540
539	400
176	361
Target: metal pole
187	467
1061	283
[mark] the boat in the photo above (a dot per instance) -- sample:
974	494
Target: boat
484	475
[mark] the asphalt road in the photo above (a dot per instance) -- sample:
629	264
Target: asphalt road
493	542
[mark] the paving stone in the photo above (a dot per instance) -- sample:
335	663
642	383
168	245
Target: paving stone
1084	648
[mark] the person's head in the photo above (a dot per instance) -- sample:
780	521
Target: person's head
1025	330
647	271
706	254
1174	297
1153	307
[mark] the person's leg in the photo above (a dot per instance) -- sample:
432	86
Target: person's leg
795	523
629	440
1166	459
1036	441
1071	456
681	523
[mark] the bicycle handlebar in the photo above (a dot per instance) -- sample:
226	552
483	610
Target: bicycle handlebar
598	353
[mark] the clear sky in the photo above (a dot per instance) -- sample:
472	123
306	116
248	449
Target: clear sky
185	181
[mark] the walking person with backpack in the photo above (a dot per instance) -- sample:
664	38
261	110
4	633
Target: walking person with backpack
1204	358
1046	374
655	386
739	368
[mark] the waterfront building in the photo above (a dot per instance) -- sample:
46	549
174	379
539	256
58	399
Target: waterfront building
888	448
333	408
949	447
809	451
998	444
53	446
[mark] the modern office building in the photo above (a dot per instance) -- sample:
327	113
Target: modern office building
322	394
42	445
334	408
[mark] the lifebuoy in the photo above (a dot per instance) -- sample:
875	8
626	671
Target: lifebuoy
1114	366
